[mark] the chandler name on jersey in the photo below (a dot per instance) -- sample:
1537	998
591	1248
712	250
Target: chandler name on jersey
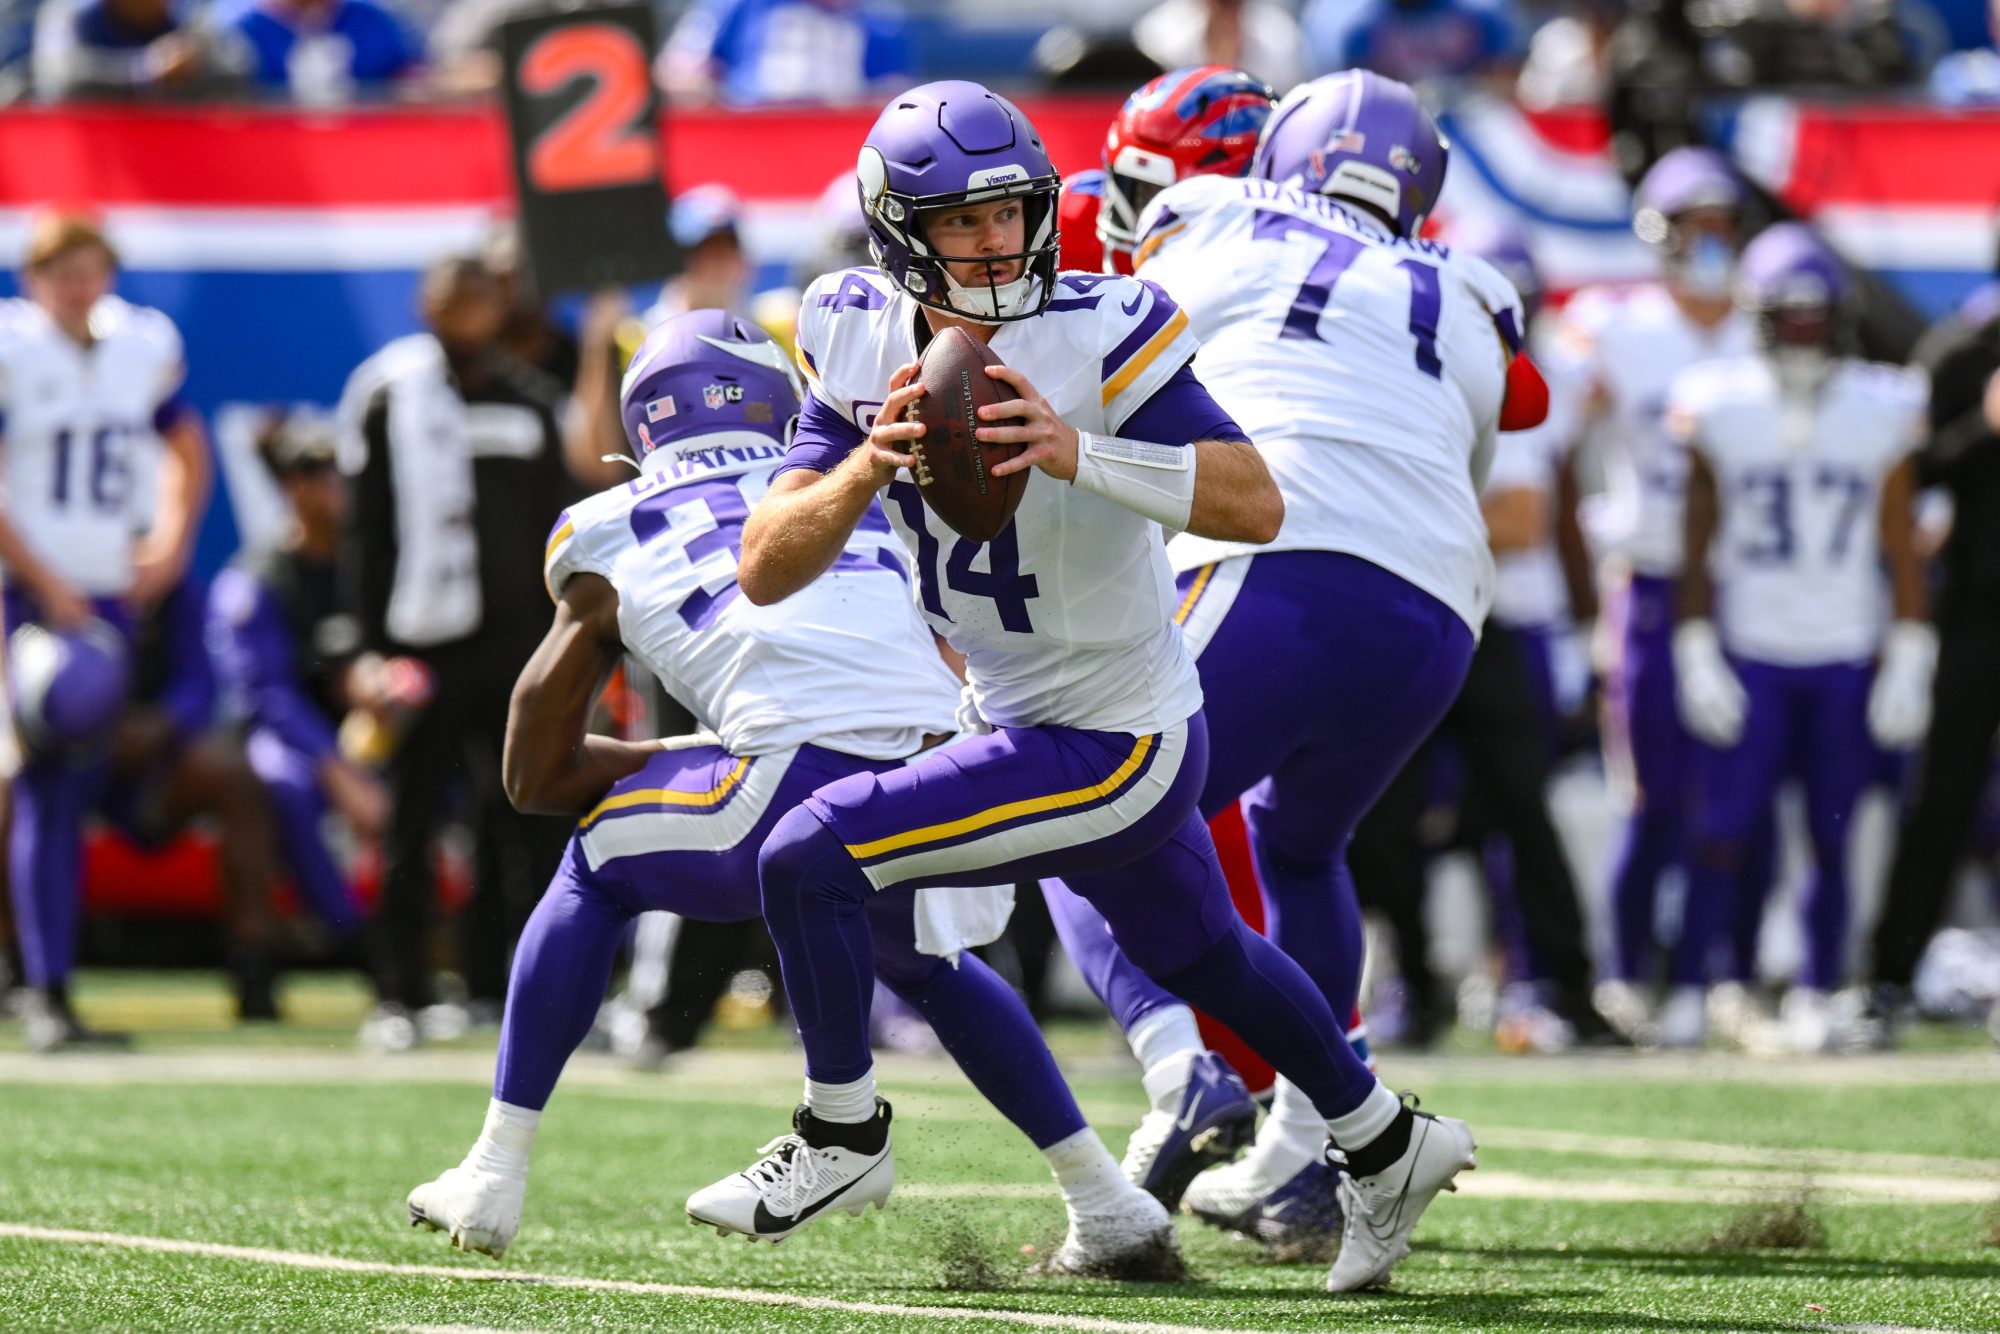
1066	618
1368	368
1797	556
79	429
845	663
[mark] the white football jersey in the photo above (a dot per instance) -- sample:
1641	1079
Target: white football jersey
1066	618
78	435
1528	586
846	663
1796	554
1623	347
1368	369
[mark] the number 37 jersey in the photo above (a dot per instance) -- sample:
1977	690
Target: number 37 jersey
1796	555
1065	618
1369	370
846	663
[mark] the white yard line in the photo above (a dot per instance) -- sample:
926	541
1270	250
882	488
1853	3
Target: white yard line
1987	1170
624	1287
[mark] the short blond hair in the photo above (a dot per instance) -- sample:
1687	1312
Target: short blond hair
56	235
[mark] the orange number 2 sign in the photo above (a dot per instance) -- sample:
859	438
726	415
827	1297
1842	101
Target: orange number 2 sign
603	140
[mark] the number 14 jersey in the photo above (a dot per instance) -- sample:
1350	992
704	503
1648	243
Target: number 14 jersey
1066	618
1369	369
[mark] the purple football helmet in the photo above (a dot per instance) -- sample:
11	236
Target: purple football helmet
68	686
1793	284
1358	137
1505	248
1683	181
955	142
705	374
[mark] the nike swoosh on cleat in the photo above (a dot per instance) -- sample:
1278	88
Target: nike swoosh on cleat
1186	1123
767	1222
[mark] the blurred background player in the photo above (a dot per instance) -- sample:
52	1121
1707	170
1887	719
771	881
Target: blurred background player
646	568
1801	492
452	451
93	428
285	645
1617	352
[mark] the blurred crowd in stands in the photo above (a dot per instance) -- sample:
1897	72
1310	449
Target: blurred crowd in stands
760	52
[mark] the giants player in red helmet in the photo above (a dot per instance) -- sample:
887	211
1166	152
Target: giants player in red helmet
1199	121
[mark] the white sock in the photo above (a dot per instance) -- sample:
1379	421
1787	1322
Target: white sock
505	1140
1292	1136
1351	1130
1166	1043
851	1103
1086	1171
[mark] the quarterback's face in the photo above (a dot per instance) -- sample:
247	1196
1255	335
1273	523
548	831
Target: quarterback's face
963	235
69	285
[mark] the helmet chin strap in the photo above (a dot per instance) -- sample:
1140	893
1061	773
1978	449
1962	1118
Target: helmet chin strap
988	303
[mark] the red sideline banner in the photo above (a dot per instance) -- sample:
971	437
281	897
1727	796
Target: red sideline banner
236	157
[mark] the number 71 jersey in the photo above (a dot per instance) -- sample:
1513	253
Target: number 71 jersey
1369	369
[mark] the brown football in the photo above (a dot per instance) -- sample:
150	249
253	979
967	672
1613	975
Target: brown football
954	467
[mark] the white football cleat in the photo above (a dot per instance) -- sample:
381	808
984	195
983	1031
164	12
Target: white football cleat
1734	1014
1805	1021
821	1165
1624	1007
1684	1018
1380	1211
1132	1239
481	1210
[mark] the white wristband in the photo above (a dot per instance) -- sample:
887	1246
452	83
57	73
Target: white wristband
1154	480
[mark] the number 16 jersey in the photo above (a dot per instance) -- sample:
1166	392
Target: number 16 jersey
1368	368
1066	618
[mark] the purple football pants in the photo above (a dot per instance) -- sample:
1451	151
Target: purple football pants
1322	674
1114	815
682	835
1807	723
291	779
51	794
1642	719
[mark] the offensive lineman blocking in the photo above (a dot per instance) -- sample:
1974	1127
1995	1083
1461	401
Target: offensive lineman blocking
1097	746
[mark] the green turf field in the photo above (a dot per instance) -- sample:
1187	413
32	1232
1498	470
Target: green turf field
216	1181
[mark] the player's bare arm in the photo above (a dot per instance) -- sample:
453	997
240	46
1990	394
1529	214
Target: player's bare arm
1579	576
1235	499
1697	589
1515	518
800	526
186	476
1907	598
552	765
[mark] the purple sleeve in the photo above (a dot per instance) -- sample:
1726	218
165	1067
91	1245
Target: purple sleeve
823	439
256	653
170	413
1181	412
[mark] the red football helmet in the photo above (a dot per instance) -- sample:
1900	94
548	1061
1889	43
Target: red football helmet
1200	121
1076	219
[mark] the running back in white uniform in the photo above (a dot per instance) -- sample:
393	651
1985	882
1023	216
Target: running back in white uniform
1066	618
1369	369
845	663
77	429
1796	556
1623	348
